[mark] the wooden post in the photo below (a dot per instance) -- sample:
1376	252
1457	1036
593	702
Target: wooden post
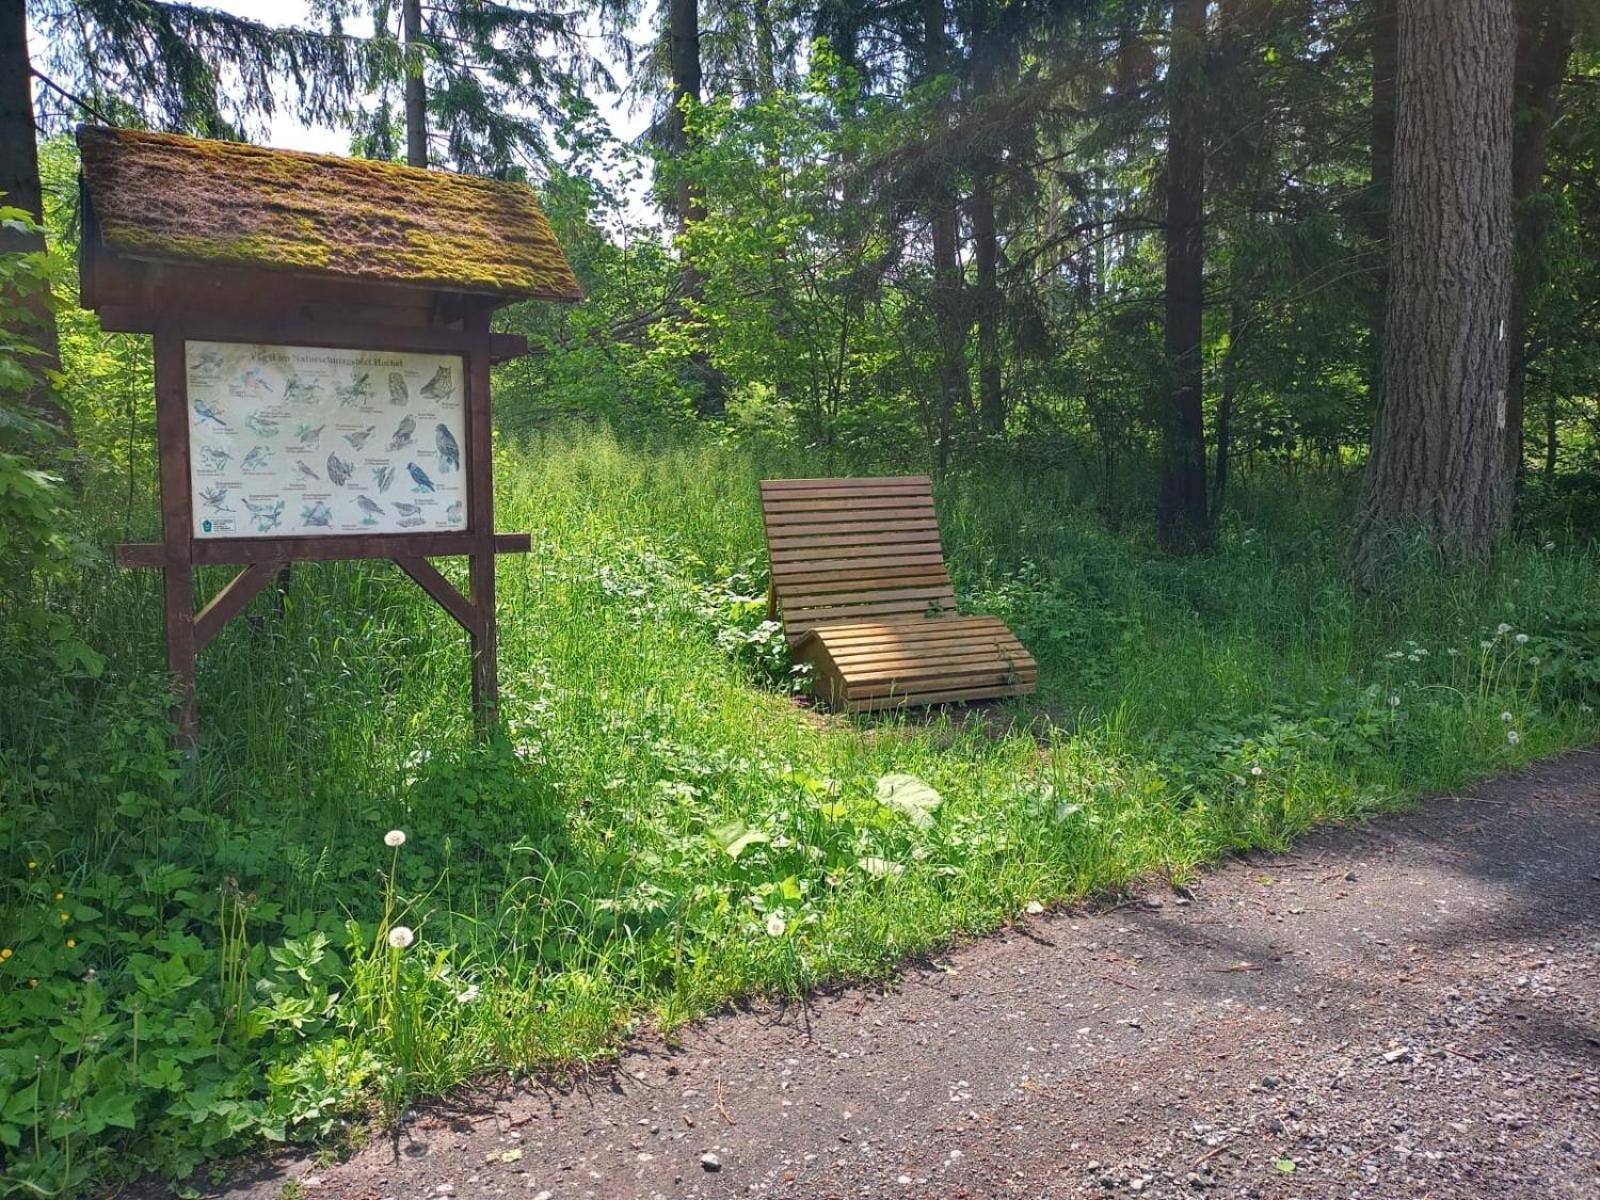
480	498
177	529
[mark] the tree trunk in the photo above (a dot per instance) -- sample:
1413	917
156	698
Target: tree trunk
985	234
19	183
1437	468
1182	520
1384	50
986	253
944	218
1237	325
1545	31
683	31
416	86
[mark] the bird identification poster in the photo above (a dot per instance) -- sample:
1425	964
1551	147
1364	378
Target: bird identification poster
299	441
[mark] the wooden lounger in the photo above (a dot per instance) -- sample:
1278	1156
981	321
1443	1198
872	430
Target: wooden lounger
858	573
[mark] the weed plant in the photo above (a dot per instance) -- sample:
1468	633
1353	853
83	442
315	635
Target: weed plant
198	955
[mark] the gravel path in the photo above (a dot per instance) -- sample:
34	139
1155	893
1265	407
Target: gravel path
1410	1009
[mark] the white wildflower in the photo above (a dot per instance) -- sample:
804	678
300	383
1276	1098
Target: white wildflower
1534	661
1521	639
395	838
401	936
775	925
1483	645
1549	545
1394	701
468	994
1502	629
1513	736
1506	717
1256	771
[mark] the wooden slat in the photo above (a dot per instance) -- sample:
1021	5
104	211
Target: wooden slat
916	631
856	483
962	682
831	493
853	529
904	678
886	577
899	657
801	599
928	551
231	601
805	508
817	616
862	535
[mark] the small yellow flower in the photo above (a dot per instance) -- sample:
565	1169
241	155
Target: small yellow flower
61	895
5	953
72	943
32	866
33	983
65	915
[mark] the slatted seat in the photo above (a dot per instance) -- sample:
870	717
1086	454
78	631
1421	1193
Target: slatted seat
858	574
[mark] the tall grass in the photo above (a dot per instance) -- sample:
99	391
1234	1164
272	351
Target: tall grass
662	829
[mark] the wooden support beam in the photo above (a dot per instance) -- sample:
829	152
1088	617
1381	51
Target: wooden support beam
503	347
242	551
442	590
231	600
480	507
177	528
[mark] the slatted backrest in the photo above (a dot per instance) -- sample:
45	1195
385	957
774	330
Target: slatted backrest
854	550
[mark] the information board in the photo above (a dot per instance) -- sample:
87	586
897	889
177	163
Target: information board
292	441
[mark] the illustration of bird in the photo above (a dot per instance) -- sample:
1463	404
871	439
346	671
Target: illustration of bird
216	498
256	460
399	393
254	381
357	390
419	477
449	451
402	434
306	435
317	514
383	477
264	426
338	470
215	457
206	413
208	360
452	515
302	390
371	507
359	438
265	516
305	471
439	387
410	514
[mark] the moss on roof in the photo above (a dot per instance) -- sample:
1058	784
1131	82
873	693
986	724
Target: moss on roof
171	198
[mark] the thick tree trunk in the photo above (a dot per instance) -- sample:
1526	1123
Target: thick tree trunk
683	31
944	218
19	183
1545	31
1182	519
416	86
1437	468
1384	49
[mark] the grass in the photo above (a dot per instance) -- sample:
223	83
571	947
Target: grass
661	830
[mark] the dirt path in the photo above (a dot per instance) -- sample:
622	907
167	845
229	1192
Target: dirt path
1406	1010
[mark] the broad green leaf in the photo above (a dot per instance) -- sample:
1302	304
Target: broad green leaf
910	797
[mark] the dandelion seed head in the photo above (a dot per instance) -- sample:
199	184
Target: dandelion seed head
1534	661
1513	736
775	925
1506	717
1502	629
395	838
401	936
1256	770
1521	639
1394	701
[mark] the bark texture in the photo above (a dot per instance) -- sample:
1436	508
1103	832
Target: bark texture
1182	518
944	217
416	87
1384	52
1545	32
1437	467
19	183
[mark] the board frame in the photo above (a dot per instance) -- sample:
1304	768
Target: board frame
180	552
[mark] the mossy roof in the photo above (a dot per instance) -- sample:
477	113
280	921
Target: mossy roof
164	197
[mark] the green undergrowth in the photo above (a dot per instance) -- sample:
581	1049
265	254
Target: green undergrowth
197	956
